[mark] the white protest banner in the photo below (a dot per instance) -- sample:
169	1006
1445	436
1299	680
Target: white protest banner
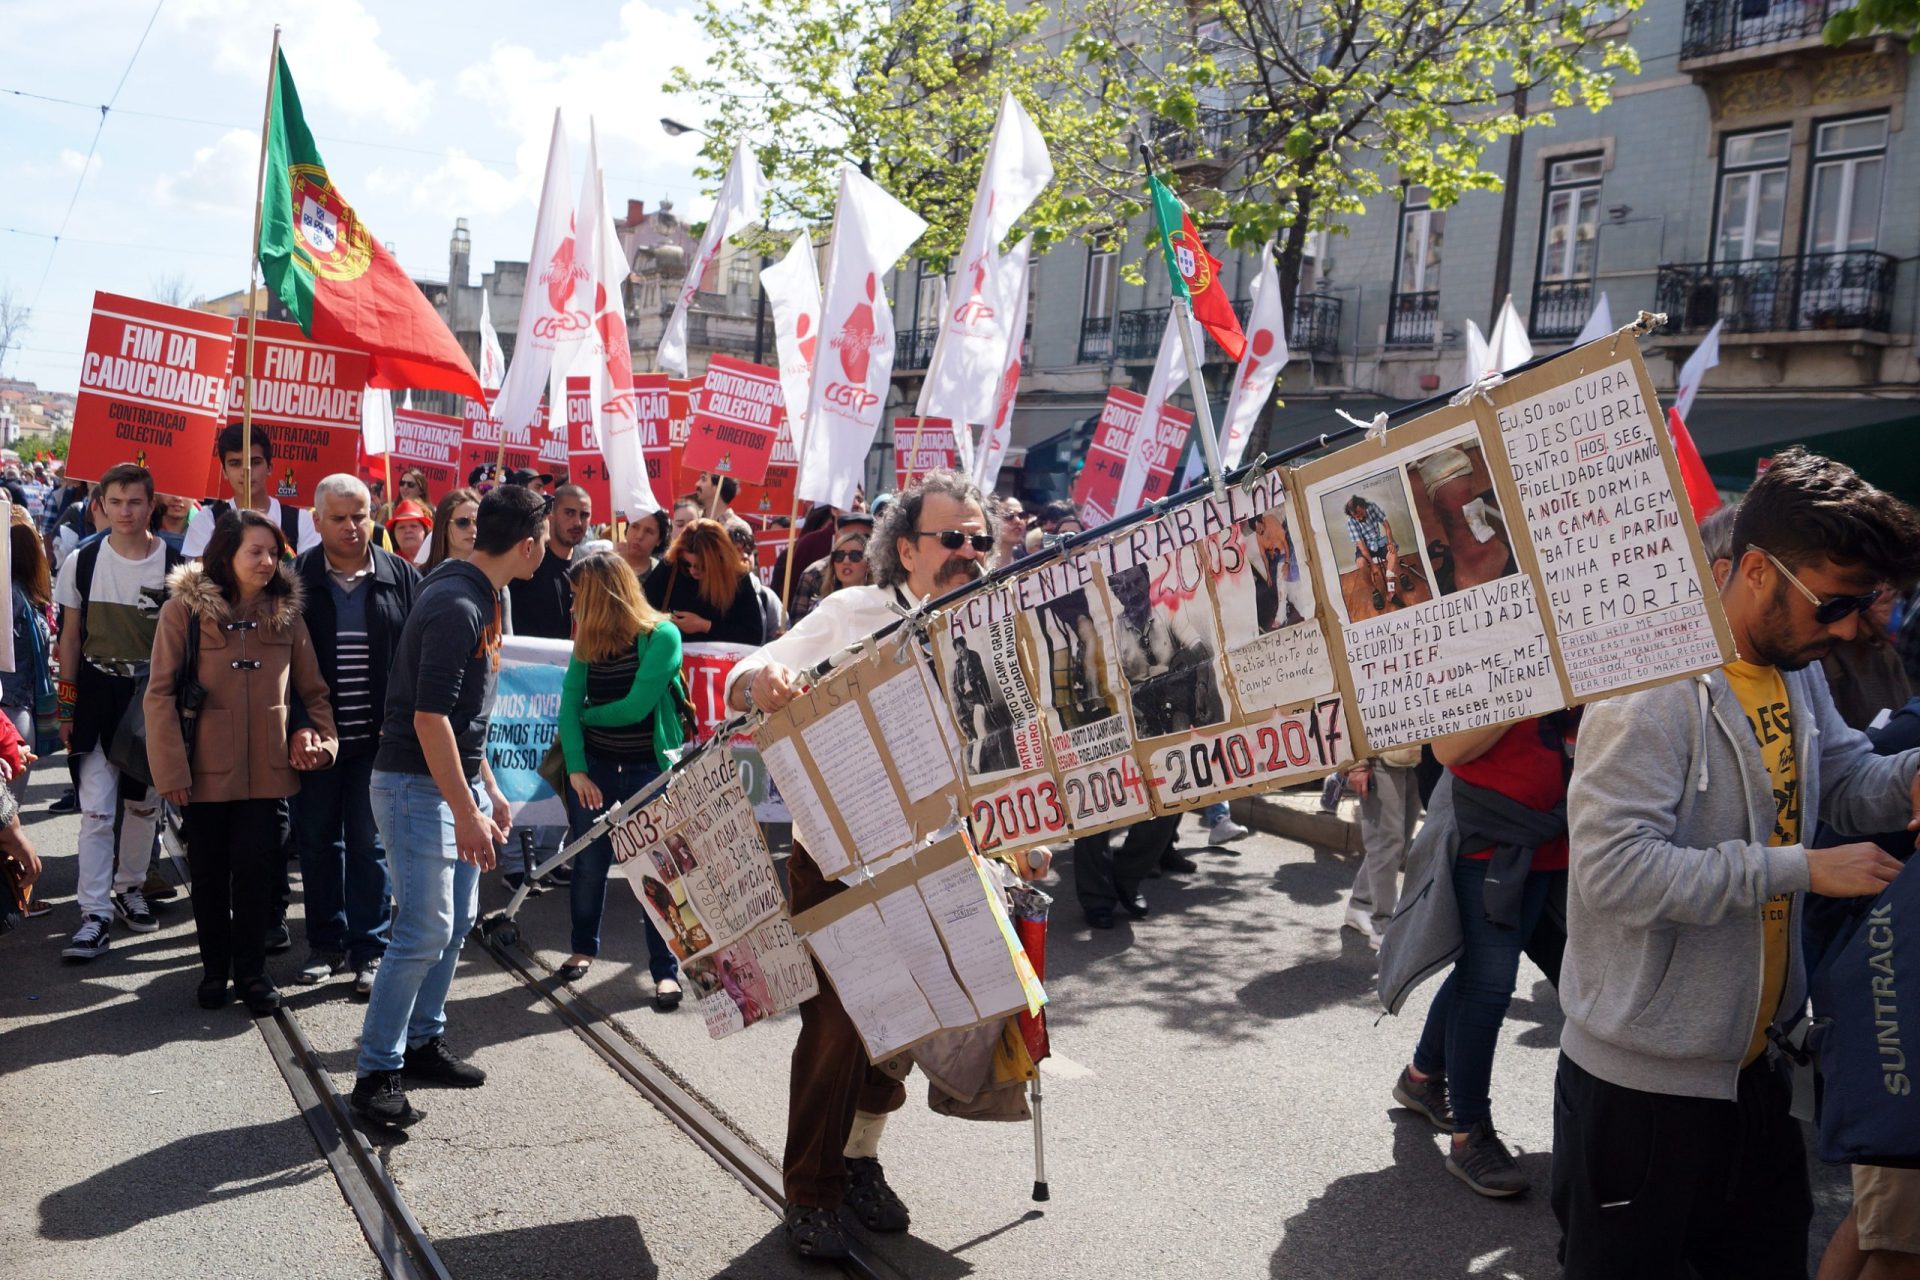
1260	365
493	362
1169	375
793	297
615	418
737	205
554	310
999	434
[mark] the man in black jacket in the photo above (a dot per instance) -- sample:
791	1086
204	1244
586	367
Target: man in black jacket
357	598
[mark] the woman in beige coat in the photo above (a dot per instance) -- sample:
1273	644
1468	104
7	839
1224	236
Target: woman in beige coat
254	653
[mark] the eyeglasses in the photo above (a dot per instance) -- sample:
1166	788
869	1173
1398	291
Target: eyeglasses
1825	612
954	539
463	522
410	484
856	555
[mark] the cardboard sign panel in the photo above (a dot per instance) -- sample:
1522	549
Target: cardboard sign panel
736	421
306	396
153	389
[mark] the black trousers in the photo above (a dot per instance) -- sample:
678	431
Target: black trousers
1661	1187
237	852
1100	875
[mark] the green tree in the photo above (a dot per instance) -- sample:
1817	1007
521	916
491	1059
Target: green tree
57	444
1900	17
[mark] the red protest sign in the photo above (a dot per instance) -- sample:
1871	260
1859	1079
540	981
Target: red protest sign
920	445
306	397
736	420
480	443
431	442
153	386
773	498
586	465
680	398
1098	487
652	401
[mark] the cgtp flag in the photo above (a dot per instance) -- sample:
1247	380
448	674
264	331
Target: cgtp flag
493	362
738	204
1169	375
553	310
1260	367
1192	272
993	445
793	298
1687	385
870	231
964	376
616	416
339	282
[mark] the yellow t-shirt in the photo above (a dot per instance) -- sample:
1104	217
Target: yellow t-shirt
1763	696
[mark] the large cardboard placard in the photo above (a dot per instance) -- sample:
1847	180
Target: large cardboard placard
307	397
153	389
736	421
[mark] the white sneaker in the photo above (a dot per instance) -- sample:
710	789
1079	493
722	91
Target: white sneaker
1226	831
1358	919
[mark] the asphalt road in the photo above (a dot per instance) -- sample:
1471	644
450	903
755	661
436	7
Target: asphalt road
1218	1105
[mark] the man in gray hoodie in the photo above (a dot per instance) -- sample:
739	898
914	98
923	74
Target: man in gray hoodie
1673	1146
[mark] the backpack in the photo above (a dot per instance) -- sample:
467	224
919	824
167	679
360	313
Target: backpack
289	520
1866	998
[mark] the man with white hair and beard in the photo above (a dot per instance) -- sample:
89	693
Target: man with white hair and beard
935	538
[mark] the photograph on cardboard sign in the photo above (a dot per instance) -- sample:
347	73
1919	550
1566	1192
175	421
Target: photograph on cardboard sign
685	935
1168	644
1077	671
975	661
1370	528
1461	524
735	971
1282	589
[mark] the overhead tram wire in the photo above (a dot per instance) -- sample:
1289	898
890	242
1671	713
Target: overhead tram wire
86	164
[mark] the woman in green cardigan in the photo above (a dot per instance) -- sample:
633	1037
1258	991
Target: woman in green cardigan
619	729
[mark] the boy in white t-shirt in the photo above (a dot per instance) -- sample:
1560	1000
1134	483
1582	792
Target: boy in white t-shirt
297	524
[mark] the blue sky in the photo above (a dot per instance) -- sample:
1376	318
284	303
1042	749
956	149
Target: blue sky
424	111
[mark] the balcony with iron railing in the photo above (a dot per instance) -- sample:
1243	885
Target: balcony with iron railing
913	348
1714	29
1413	320
1201	147
1096	339
1560	308
1315	327
1815	292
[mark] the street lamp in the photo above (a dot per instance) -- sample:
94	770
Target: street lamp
674	128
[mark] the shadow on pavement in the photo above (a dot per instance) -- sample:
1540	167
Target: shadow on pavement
222	1164
584	1249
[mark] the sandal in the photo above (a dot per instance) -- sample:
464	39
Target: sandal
816	1233
573	970
666	998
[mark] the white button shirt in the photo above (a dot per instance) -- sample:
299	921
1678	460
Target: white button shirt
847	615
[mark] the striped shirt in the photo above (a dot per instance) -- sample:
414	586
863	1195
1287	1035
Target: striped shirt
353	709
610	681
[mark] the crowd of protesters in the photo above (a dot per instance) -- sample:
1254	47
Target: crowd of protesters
316	684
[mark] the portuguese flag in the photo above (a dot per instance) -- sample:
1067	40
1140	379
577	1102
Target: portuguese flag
340	283
1194	273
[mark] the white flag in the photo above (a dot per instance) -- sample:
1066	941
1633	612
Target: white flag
964	374
923	408
1598	325
554	308
1260	364
1479	356
793	298
1508	344
738	204
616	417
493	364
993	446
849	393
376	420
1169	375
1694	371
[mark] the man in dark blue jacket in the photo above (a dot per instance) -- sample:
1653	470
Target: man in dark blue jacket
357	598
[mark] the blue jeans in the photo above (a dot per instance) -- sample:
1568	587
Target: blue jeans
435	898
341	864
1463	1024
617	781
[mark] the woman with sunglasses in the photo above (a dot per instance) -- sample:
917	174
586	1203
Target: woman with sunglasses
453	527
706	588
412	486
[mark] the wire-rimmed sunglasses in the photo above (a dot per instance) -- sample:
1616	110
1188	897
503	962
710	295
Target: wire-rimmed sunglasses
1825	612
954	539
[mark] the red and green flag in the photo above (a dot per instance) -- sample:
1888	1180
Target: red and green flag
339	281
1193	272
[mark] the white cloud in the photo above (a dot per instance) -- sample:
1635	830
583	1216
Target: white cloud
334	50
72	161
221	178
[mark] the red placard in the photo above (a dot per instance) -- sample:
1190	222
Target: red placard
586	465
773	498
153	387
920	445
736	420
680	398
653	409
307	397
480	443
1098	487
431	442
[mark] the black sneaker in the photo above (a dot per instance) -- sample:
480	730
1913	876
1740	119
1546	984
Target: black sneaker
381	1100
1425	1097
514	879
279	937
322	965
134	912
871	1199
1178	862
1484	1163
67	801
89	941
434	1063
260	996
816	1233
363	975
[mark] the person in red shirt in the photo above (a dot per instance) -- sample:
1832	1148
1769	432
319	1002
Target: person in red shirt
1511	896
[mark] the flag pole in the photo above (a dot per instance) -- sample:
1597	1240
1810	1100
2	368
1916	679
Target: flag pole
253	273
1183	320
913	450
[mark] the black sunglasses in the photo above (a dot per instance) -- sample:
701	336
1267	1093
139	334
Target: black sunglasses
856	555
463	522
953	540
1825	612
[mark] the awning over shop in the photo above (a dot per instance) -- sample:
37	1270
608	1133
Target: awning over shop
1876	437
